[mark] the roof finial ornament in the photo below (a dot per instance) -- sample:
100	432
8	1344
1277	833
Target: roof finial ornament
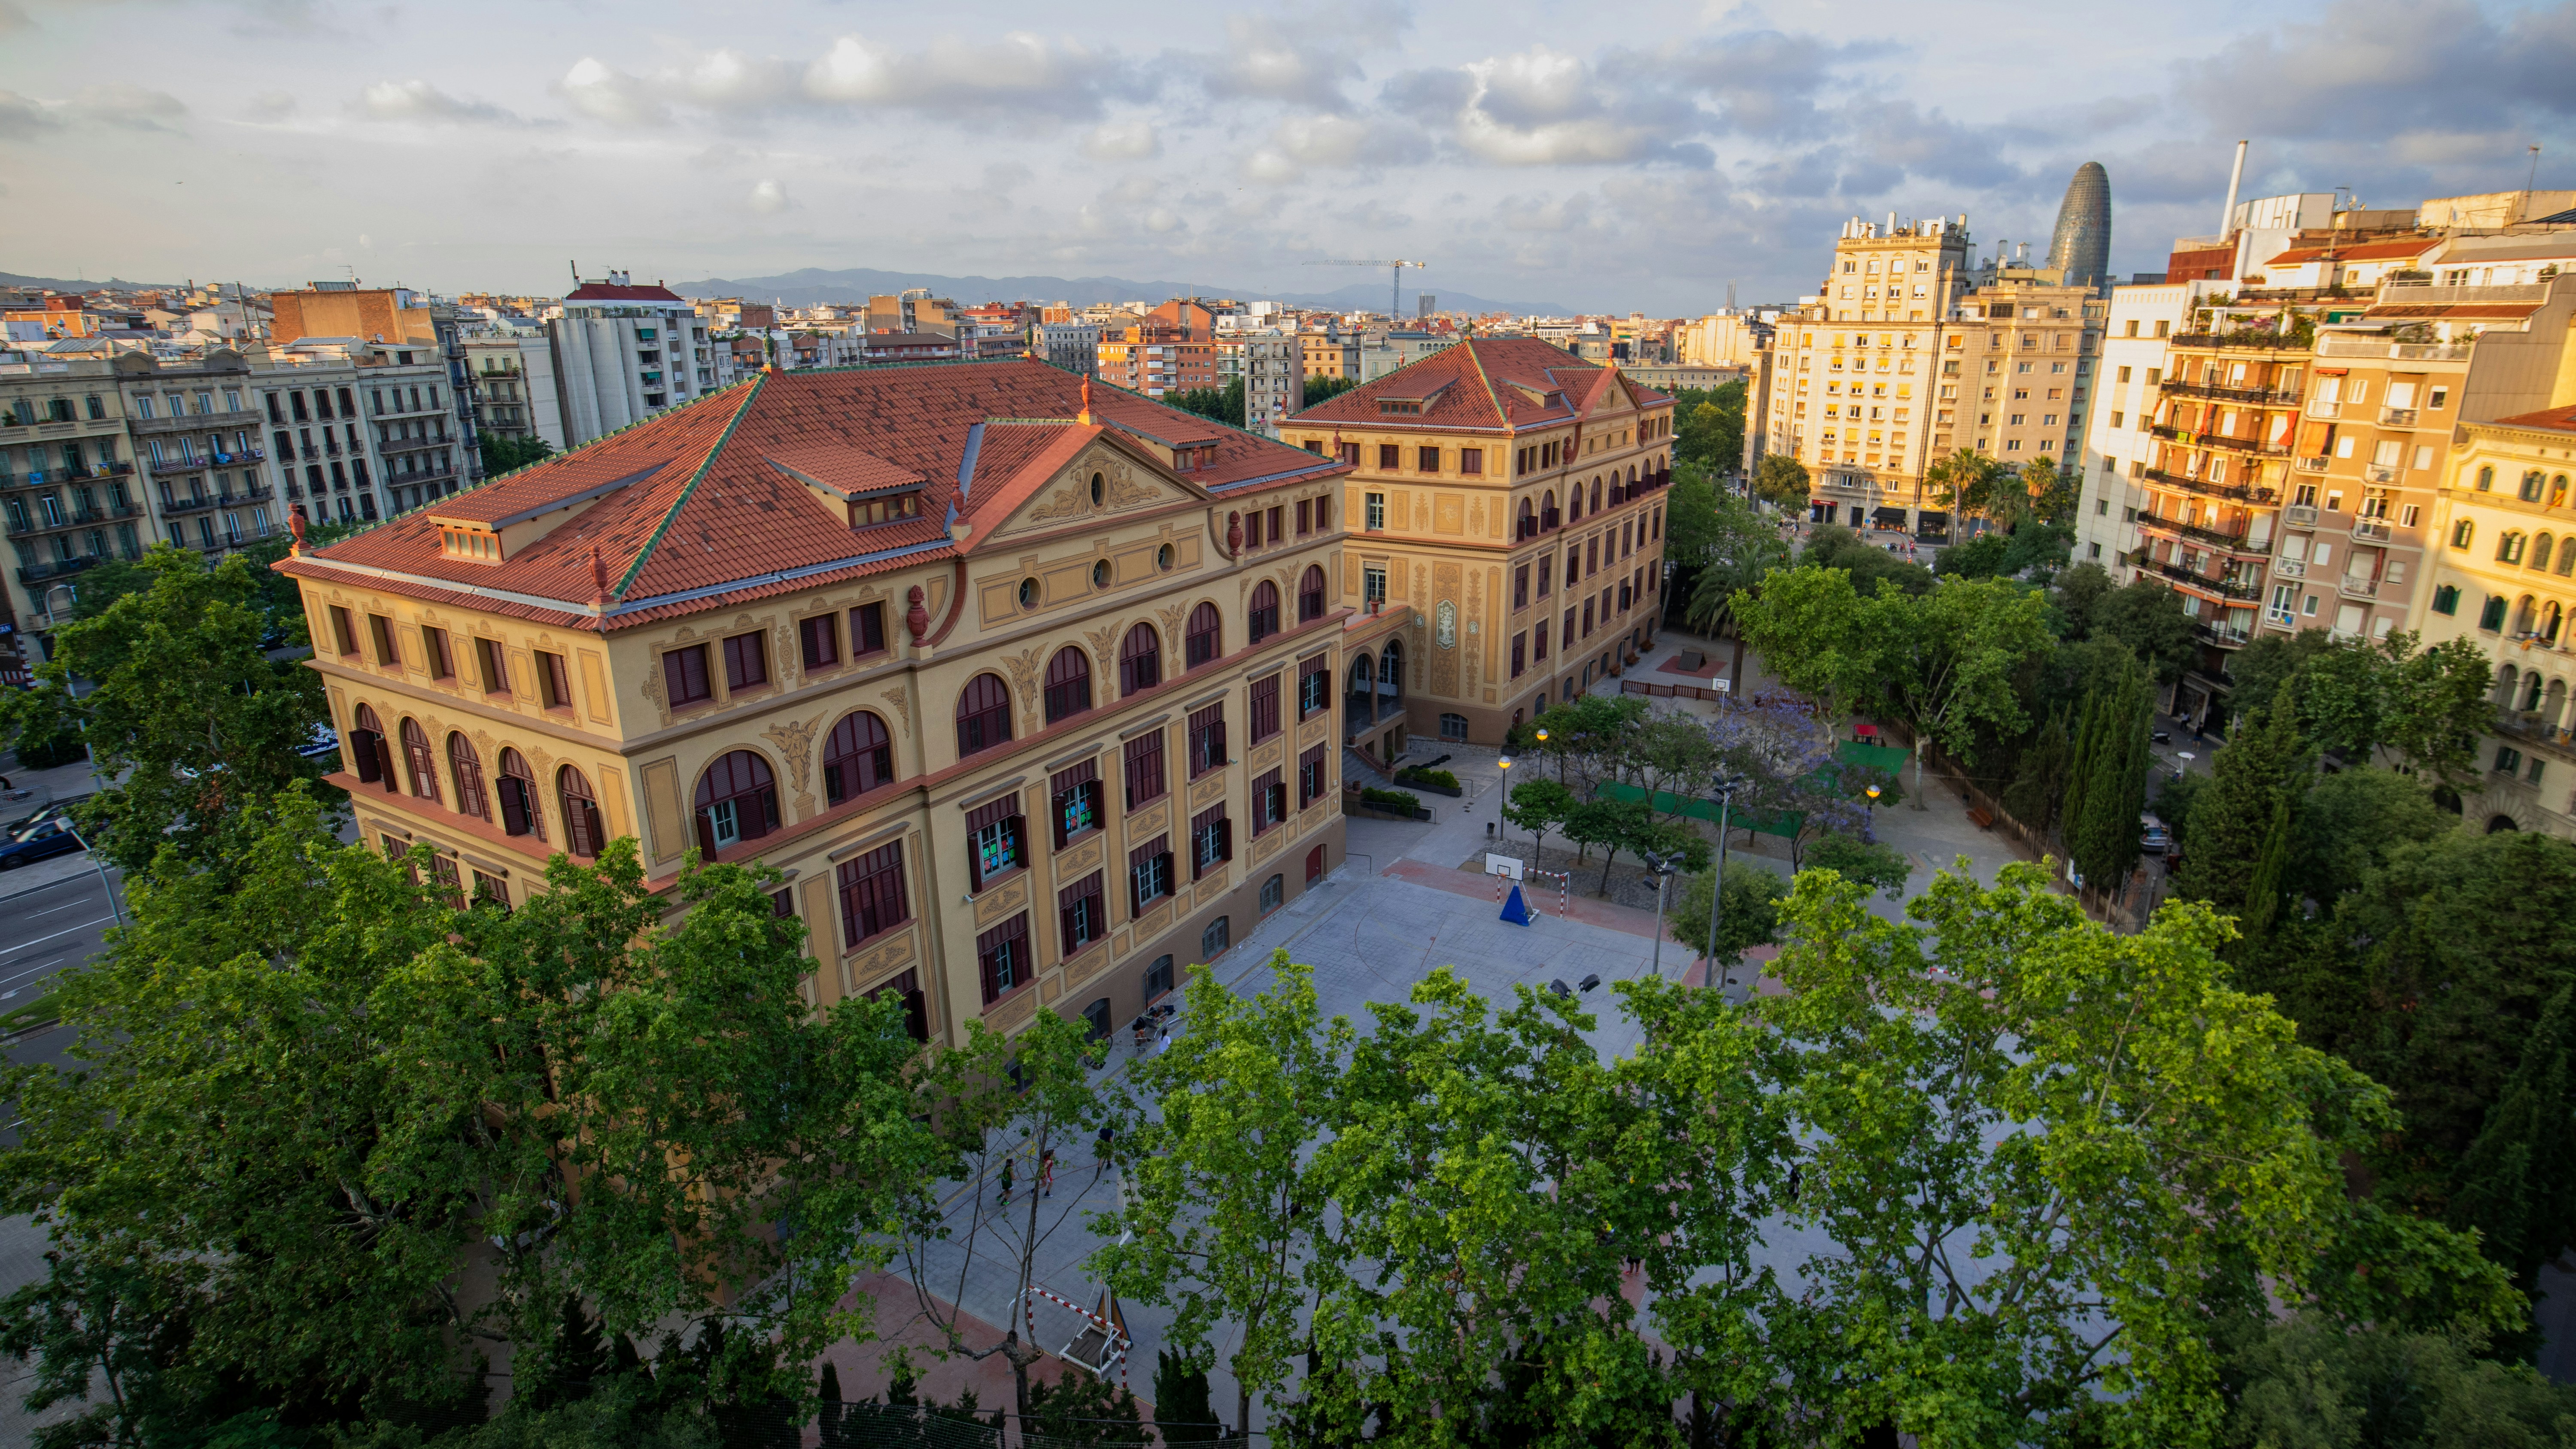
296	525
598	579
1086	418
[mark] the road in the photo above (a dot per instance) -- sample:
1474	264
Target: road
41	932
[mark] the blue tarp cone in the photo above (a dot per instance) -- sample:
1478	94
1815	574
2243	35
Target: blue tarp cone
1515	909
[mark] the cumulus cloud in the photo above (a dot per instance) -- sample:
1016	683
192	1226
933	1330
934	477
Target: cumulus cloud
1019	73
1305	56
768	198
130	106
418	100
269	106
1547	107
1131	140
604	93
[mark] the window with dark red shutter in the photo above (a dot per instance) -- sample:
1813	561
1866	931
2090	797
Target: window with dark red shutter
684	675
1203	642
1082	916
1068	684
746	662
1211	840
1310	595
1262	620
1207	739
1265	708
983	714
1144	762
1149	874
858	756
997	839
1140	660
867	630
1310	777
1314	685
821	640
1269	802
1002	957
582	833
872	896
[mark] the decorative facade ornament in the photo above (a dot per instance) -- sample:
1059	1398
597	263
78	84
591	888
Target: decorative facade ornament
917	617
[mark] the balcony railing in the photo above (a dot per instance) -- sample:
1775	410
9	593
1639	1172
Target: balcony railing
2232	541
188	505
2331	345
2280	618
182	464
2358	588
2300	515
2319	407
2379	473
2241	492
53	569
2247	340
2176	387
2225	636
2374	530
2289	568
2226	588
2311	465
2397	417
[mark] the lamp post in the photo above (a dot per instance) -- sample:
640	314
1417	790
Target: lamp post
1726	787
1662	868
1502	794
1869	822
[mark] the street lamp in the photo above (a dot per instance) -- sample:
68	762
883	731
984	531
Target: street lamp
1661	867
1726	788
1869	822
1502	794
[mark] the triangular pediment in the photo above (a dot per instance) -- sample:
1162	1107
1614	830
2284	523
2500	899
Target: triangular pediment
1127	485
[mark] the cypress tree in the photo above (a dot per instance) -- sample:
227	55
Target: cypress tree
2263	763
2110	781
2263	888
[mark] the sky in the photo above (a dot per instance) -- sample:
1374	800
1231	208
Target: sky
1637	157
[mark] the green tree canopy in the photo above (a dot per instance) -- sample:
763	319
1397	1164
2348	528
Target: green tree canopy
1781	481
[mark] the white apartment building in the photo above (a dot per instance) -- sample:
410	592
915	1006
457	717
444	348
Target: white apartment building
1073	346
624	352
2118	445
356	435
199	441
1274	379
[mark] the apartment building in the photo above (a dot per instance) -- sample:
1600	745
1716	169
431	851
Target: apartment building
2119	439
1156	357
1274	378
989	668
623	352
68	491
1329	354
198	434
2302	438
1389	352
1720	339
410	327
1512	496
356	434
497	367
2502	522
1073	346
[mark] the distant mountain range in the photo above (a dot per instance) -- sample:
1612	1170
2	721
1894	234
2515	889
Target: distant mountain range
813	287
62	284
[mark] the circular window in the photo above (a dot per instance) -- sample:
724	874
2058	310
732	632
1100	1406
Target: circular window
1100	574
1095	490
1028	593
1163	557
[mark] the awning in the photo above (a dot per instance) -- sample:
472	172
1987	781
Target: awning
1888	517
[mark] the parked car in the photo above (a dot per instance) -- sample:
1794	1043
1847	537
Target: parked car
325	744
40	841
2154	839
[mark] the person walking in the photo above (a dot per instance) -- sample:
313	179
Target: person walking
1046	1173
1006	1179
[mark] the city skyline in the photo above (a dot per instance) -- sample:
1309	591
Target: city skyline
1703	148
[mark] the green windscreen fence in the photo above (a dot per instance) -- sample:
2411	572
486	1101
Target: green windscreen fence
1783	823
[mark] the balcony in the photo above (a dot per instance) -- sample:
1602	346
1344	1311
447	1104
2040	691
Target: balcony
2300	515
2372	530
2241	492
2247	340
2311	465
2224	636
2323	408
2175	387
2223	587
2334	345
2280	619
188	464
2379	473
2358	588
187	505
2397	417
58	568
113	469
2234	542
2289	568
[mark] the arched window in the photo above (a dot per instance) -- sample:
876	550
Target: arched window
1068	684
2567	558
1359	704
1528	520
2486	479
1310	595
2532	482
2506	678
2553	711
374	757
466	768
2531	693
1596	495
1140	659
2462	532
857	757
2540	552
1262	620
520	812
423	764
737	801
2509	548
1204	640
1574	503
2558	491
2550	618
983	714
1547	510
2524	612
583	835
1453	727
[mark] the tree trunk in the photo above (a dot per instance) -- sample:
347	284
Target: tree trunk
1607	863
1918	773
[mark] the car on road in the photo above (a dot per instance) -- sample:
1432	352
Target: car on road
324	744
2153	838
40	841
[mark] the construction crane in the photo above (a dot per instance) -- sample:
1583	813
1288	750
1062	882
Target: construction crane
1395	280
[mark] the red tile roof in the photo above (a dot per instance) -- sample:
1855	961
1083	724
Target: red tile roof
2556	420
704	506
609	292
2358	251
1484	383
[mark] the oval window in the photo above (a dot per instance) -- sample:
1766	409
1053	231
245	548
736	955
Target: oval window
1095	490
1028	593
1163	557
1100	574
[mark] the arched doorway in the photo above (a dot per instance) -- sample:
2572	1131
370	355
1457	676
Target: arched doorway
1359	697
2497	825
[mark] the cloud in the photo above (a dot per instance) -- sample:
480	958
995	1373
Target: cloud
1018	74
1329	141
605	93
728	78
1546	107
768	198
2369	69
129	106
23	116
1123	141
1305	56
269	106
418	100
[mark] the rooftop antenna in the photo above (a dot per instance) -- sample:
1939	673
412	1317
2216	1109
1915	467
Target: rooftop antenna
2523	212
